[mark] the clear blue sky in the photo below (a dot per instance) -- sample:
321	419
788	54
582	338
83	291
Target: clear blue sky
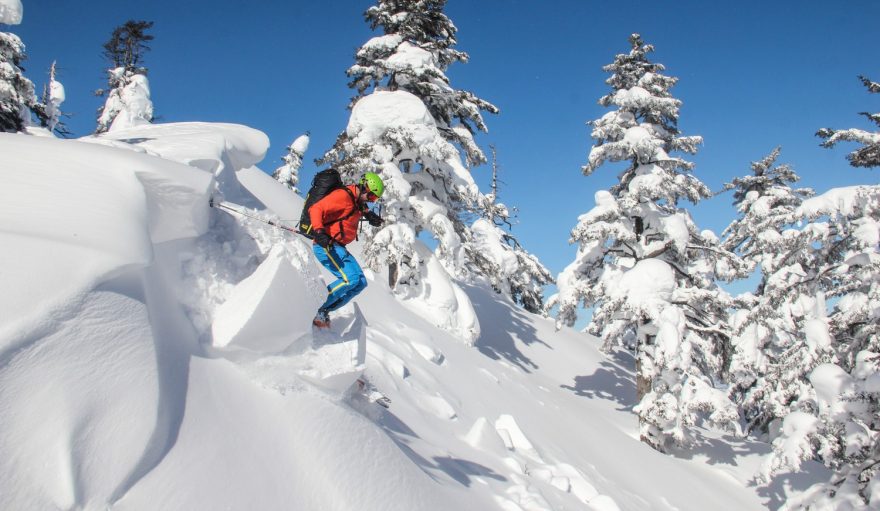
753	75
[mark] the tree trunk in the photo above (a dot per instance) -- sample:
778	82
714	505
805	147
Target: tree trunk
643	383
392	275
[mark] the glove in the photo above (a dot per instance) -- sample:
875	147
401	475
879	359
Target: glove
374	219
323	239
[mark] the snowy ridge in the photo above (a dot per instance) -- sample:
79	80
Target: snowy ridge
158	356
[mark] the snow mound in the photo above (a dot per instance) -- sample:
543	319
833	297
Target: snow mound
80	231
221	149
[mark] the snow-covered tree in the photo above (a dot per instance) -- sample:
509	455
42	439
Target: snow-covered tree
17	99
869	154
406	120
643	265
413	55
128	96
770	361
839	420
288	174
496	253
53	96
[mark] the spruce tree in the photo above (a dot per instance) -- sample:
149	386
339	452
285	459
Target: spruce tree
839	424
413	54
769	363
495	253
53	96
832	365
643	265
17	99
128	94
869	154
288	174
430	189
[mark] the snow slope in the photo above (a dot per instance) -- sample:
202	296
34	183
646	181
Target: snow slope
156	354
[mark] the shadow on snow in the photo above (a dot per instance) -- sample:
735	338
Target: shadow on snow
498	339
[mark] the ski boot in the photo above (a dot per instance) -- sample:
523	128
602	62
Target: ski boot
322	319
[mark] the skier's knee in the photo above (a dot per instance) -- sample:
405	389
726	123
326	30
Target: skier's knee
360	284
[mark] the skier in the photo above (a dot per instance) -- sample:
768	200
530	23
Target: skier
334	220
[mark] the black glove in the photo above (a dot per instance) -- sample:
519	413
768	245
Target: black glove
323	239
374	219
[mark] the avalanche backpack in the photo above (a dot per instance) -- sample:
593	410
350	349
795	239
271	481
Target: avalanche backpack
323	183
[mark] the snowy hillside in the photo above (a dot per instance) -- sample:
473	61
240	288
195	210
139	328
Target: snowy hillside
156	353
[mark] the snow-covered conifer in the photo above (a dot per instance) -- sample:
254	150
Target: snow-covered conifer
288	174
17	99
405	122
413	54
769	359
839	424
869	154
839	420
495	253
128	96
53	96
642	263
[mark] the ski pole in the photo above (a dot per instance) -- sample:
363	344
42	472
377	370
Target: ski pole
223	205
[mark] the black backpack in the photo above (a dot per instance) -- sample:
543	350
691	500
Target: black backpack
323	183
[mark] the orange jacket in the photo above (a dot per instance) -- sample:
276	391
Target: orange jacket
338	214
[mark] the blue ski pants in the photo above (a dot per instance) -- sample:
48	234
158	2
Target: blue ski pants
350	279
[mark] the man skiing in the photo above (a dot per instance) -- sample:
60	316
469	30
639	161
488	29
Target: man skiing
334	222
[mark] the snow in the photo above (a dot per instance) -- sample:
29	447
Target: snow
831	384
246	317
11	12
407	56
156	355
383	110
300	145
836	201
649	283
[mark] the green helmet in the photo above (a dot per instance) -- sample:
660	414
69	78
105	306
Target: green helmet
372	182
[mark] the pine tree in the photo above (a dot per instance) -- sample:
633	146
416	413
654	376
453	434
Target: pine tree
642	263
495	253
288	174
17	99
869	154
128	95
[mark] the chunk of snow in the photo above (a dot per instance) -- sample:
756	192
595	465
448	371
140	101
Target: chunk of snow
483	435
380	111
831	383
11	12
300	145
816	334
257	314
648	281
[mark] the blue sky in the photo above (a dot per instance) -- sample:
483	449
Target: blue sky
753	75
